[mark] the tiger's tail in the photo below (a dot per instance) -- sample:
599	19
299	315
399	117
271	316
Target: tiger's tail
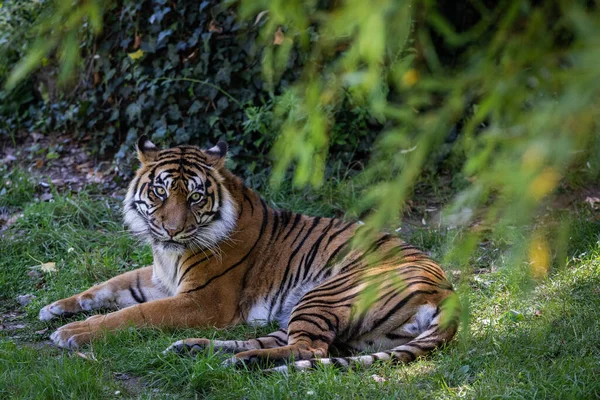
434	336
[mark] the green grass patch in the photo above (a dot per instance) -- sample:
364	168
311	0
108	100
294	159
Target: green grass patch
541	342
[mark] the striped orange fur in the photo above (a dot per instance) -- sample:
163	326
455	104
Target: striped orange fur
223	256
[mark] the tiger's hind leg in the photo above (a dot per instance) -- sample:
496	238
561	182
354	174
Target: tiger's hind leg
307	339
195	345
331	313
312	327
441	328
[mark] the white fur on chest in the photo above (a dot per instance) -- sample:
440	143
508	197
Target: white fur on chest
164	271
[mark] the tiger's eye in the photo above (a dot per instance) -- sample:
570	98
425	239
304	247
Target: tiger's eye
195	196
160	191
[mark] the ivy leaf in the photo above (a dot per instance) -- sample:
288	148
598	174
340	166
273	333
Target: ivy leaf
133	111
174	112
195	107
222	103
159	15
163	35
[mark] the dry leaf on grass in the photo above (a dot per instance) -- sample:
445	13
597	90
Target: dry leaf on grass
279	37
48	267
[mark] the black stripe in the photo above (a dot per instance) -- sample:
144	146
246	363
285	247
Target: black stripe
396	336
399	306
335	234
275	224
303	318
311	336
296	220
134	295
194	265
244	190
278	340
139	287
287	285
339	362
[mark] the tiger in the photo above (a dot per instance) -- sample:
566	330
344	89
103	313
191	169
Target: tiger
222	256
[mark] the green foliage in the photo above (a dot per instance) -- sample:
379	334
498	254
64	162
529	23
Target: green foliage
16	21
16	187
27	373
523	90
189	74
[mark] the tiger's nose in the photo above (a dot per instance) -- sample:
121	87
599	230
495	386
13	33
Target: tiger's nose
172	231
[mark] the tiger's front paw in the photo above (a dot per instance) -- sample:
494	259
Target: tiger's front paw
60	308
188	346
55	310
76	334
72	305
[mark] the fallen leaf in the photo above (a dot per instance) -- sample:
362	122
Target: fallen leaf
137	42
279	37
48	267
41	332
39	163
378	378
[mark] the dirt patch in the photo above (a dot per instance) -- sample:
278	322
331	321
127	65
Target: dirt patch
14	326
133	385
60	162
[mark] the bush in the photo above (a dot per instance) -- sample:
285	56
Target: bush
190	73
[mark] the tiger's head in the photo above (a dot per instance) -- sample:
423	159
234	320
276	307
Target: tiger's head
177	200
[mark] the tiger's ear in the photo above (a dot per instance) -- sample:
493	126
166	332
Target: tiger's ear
216	155
147	151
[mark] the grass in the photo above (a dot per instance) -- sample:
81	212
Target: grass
537	343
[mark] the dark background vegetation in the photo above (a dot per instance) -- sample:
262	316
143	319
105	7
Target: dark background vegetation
188	72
